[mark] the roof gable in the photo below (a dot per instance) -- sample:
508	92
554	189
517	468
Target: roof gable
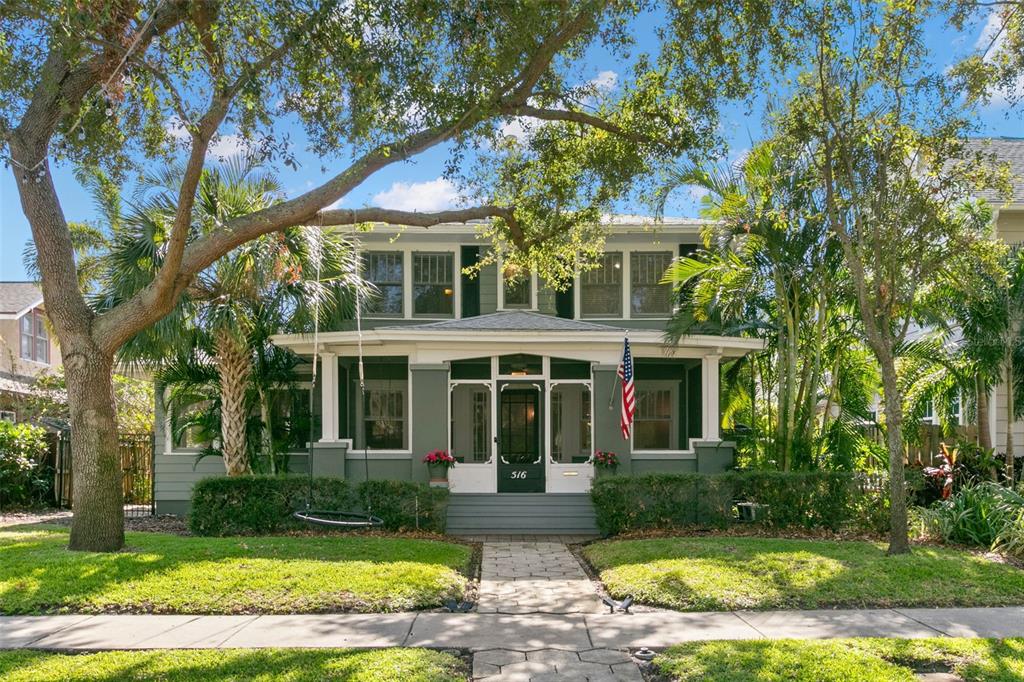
17	298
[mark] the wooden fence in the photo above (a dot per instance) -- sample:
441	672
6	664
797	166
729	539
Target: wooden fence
136	450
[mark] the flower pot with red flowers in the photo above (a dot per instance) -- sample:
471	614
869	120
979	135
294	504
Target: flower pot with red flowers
438	463
606	463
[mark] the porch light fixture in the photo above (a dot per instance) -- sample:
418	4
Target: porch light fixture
518	373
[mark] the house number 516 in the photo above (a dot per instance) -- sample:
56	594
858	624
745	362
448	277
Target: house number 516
518	474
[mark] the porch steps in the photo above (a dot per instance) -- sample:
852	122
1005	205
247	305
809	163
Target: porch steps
521	513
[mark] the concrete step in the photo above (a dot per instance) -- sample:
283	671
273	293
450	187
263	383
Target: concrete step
521	513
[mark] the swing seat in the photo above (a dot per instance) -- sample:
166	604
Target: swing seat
338	519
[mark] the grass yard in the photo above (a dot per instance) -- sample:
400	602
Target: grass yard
158	573
292	665
725	573
844	660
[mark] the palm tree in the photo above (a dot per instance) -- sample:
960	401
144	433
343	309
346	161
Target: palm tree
224	320
769	269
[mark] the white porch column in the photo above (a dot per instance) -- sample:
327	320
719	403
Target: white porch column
329	397
709	395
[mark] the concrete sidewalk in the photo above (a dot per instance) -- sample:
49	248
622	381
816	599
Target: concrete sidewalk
482	631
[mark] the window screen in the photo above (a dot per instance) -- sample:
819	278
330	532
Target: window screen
647	296
432	290
384	269
601	288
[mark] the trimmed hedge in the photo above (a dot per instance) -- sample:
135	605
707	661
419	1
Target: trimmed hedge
818	499
260	505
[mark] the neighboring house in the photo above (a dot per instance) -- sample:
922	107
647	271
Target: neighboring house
26	349
516	379
1009	223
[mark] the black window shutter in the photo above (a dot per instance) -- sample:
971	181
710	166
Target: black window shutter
564	303
470	285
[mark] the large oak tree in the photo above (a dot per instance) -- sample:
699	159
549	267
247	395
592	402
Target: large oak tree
372	84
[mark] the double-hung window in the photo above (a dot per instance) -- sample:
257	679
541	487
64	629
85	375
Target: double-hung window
601	288
433	291
35	341
385	270
654	427
648	297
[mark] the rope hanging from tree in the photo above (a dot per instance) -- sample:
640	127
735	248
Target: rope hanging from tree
331	517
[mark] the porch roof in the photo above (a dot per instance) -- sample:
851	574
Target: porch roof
521	328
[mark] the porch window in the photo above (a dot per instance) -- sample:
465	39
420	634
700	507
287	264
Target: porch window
654	423
384	415
648	297
35	341
601	288
517	288
384	269
432	290
471	422
570	423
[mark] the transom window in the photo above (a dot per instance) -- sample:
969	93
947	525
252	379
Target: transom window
384	269
35	341
432	289
647	296
601	288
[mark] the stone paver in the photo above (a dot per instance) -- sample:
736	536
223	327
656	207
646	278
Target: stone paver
538	576
588	665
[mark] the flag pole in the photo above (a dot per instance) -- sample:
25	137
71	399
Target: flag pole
617	380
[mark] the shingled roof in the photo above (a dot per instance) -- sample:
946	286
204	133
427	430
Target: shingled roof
17	297
511	320
1008	150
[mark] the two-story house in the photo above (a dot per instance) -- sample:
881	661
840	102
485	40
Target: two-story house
517	380
26	348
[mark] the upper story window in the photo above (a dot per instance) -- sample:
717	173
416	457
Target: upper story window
601	288
517	289
35	341
385	270
647	297
433	291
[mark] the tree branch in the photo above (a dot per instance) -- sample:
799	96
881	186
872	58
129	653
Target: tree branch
580	117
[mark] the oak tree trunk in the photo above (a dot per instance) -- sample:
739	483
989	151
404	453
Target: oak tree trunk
98	498
899	534
233	367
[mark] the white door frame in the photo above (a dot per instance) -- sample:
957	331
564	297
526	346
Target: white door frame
568	478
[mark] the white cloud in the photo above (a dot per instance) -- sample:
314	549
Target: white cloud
432	195
605	81
224	146
176	129
990	32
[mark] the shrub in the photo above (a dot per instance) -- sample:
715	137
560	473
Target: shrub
811	500
986	515
255	505
24	477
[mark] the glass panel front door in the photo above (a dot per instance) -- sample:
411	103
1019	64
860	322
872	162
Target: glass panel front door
520	461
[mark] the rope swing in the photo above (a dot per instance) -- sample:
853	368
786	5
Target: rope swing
330	517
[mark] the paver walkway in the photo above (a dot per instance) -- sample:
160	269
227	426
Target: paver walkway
541	576
533	577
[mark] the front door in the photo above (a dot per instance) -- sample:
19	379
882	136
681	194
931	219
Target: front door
520	460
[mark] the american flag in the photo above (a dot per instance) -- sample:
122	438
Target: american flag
625	373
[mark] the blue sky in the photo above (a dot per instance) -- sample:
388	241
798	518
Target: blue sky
419	184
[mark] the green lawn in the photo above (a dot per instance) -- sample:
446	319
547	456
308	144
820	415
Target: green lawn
724	573
844	660
158	573
292	665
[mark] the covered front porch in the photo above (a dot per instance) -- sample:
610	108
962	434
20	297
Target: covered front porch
521	400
